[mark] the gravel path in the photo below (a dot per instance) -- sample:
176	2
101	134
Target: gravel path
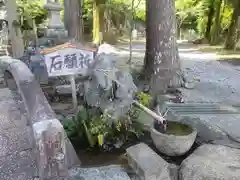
218	80
219	83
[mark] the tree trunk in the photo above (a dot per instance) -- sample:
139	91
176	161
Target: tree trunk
67	16
98	21
75	21
232	30
161	63
210	20
215	38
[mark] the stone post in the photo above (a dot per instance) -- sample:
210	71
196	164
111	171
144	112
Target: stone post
51	150
15	34
55	27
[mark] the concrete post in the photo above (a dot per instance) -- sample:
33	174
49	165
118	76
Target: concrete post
15	34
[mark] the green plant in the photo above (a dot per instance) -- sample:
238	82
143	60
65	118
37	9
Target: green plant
99	129
143	98
69	127
94	124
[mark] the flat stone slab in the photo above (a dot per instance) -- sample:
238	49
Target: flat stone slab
202	108
148	165
64	89
210	162
100	173
213	121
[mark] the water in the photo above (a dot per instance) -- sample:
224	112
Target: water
178	129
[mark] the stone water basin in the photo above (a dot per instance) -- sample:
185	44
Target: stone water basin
176	141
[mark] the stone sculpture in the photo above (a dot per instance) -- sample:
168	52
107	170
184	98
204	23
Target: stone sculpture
4	37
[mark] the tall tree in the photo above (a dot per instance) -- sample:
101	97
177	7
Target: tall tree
73	18
98	20
210	16
161	64
216	28
232	30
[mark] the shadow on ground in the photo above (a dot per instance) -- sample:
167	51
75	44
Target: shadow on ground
231	61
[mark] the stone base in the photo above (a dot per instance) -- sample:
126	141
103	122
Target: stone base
58	33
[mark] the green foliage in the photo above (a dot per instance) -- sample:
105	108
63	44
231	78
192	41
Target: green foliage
70	127
100	130
194	14
29	10
142	98
185	9
226	15
191	14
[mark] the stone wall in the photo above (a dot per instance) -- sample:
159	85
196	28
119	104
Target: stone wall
54	152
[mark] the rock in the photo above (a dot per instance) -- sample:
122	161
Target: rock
101	173
148	165
106	49
210	162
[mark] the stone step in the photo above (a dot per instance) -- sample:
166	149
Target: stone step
201	108
148	165
214	122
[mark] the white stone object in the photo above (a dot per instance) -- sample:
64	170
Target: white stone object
134	33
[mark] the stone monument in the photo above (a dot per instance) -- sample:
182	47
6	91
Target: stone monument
55	28
4	37
3	10
15	35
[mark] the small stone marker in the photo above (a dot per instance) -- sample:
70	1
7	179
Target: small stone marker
148	165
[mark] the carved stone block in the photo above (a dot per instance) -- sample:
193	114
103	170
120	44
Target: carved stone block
50	144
